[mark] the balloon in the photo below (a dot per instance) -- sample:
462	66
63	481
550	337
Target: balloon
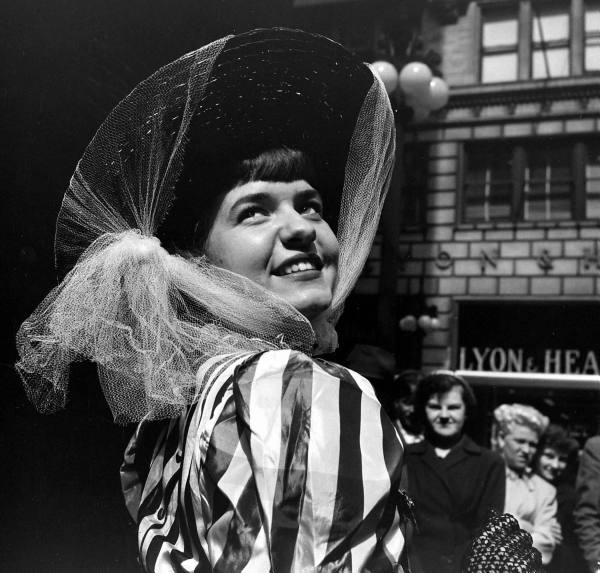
414	79
387	73
438	93
408	323
424	322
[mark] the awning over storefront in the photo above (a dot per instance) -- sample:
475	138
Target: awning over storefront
531	380
550	342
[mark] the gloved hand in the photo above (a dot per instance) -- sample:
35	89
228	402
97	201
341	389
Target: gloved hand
502	547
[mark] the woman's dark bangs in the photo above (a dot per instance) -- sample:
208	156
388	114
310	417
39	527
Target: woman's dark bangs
282	164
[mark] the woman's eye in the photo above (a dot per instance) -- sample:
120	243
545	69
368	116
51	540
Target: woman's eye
253	212
312	208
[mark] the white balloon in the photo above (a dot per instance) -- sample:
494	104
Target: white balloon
414	79
388	74
438	93
424	322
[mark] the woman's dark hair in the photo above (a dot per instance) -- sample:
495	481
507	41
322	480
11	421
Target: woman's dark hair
190	220
557	438
440	383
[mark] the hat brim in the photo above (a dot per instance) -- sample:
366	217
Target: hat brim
273	88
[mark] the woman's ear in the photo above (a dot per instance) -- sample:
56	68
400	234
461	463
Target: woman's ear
500	441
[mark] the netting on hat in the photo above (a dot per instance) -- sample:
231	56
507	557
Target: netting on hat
149	318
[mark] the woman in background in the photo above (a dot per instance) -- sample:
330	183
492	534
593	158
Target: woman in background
453	482
556	461
516	435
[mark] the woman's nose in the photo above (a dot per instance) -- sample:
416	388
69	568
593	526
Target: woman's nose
296	231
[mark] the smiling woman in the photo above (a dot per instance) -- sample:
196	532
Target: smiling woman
274	234
208	239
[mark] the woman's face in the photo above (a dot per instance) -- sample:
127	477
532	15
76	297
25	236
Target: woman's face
518	446
273	233
551	464
446	412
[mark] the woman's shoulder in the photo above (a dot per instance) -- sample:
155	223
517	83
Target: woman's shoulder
544	488
284	363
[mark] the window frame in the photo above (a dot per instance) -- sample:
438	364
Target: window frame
525	11
578	180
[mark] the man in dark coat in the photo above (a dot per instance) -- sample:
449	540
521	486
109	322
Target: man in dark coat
453	482
587	509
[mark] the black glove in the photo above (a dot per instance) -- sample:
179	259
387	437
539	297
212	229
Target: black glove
502	547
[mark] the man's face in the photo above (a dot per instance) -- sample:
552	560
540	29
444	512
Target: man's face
518	447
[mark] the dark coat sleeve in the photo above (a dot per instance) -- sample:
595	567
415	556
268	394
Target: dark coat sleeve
494	487
587	508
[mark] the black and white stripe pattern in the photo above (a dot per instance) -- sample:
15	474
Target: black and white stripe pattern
285	463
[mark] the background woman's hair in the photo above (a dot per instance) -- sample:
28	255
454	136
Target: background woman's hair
440	383
215	177
556	438
508	416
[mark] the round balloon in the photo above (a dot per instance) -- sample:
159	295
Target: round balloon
388	74
424	322
414	79
438	93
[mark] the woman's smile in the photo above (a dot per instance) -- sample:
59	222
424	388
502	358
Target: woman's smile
273	233
302	264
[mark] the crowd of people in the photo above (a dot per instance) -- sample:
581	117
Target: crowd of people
533	470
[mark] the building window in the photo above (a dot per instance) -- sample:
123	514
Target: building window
592	37
550	42
499	46
547	183
487	194
538	39
592	181
552	180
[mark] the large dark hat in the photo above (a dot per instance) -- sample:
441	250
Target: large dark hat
150	318
231	100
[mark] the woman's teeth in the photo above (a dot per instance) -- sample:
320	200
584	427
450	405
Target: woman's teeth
298	267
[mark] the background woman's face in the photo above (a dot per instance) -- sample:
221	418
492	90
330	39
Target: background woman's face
551	464
518	446
446	412
273	234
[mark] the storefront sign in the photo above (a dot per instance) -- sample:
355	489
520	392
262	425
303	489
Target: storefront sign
544	337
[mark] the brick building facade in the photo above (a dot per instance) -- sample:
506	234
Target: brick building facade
510	208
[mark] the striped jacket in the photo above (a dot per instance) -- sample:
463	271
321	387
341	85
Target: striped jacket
285	463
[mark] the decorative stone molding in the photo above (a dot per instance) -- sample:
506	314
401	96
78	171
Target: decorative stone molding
580	88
